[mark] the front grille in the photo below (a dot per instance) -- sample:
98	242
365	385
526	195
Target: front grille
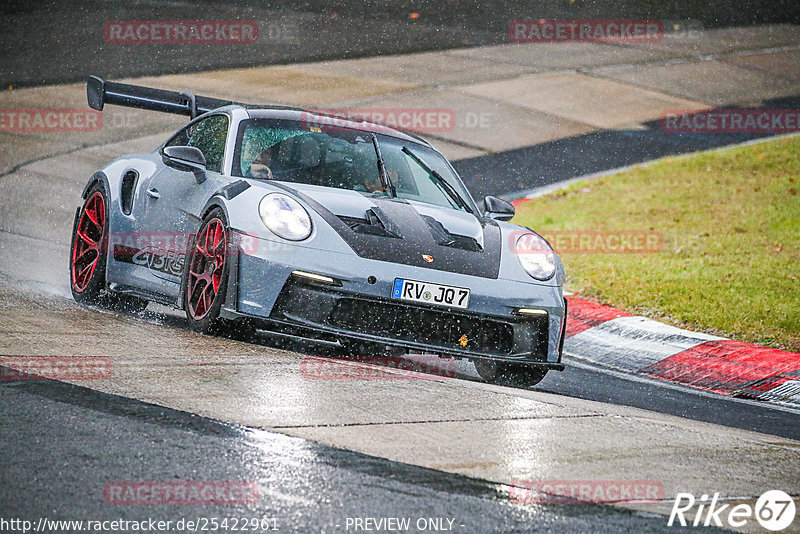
432	327
312	305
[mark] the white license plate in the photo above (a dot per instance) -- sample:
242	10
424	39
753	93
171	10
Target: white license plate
415	291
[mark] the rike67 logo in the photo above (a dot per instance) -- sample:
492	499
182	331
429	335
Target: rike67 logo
774	510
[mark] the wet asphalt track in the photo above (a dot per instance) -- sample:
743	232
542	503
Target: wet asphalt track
62	444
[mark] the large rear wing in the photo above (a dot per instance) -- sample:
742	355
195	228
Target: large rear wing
100	92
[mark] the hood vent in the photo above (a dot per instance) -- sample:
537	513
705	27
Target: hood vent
374	222
446	239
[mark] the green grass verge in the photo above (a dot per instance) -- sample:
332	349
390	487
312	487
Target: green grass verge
730	221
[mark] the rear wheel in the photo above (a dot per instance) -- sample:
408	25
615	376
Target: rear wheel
87	254
509	374
88	258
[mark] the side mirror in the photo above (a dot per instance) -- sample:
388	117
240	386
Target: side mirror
186	158
498	209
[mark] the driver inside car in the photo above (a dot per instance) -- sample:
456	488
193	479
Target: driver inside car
261	166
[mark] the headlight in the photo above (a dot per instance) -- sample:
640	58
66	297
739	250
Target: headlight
285	217
536	256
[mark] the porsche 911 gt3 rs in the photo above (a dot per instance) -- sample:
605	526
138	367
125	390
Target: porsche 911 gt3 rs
315	226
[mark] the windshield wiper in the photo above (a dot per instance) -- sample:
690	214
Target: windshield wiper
384	174
443	184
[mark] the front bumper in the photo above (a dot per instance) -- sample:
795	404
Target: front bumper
358	305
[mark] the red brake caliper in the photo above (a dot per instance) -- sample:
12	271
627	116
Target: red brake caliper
88	241
206	268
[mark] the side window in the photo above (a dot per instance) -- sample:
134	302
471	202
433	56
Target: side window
209	135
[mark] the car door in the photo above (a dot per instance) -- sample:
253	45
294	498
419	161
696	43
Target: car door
173	201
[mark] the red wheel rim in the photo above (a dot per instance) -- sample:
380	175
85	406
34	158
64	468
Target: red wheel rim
206	268
88	241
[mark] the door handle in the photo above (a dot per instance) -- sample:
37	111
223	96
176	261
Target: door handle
153	193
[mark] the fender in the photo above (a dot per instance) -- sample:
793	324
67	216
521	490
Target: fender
216	201
98	176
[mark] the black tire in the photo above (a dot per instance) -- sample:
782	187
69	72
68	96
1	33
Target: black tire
91	289
203	312
509	374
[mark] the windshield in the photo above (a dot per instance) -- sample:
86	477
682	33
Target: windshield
298	152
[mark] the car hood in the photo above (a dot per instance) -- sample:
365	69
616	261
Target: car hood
406	232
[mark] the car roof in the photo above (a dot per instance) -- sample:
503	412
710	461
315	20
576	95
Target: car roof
321	118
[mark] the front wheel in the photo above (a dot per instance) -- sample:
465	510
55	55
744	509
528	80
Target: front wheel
207	274
509	374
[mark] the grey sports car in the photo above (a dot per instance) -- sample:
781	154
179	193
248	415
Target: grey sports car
318	227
